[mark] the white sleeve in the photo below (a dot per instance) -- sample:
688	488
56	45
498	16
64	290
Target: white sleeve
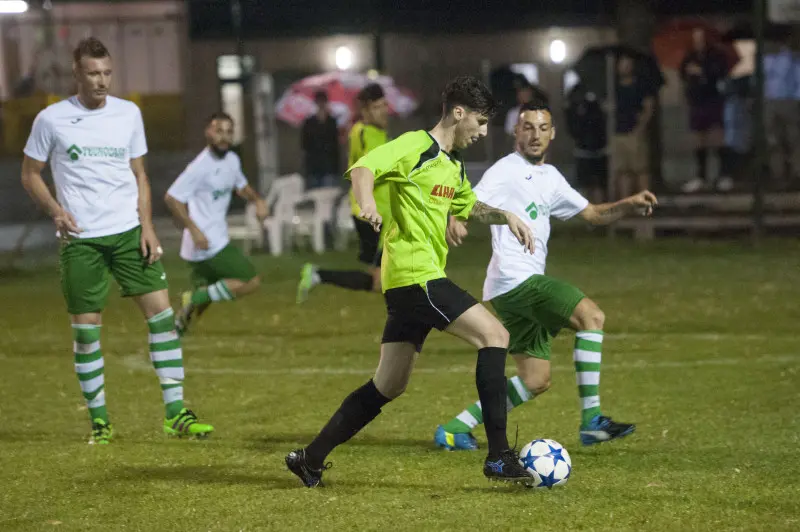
567	202
491	189
241	179
40	141
185	186
138	145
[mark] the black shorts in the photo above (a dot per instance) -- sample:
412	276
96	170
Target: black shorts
413	311
368	242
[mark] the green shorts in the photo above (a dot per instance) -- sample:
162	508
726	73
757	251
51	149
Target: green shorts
534	313
86	262
229	263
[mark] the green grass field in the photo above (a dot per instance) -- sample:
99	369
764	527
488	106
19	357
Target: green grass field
701	353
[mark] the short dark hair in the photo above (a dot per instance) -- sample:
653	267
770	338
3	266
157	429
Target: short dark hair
470	92
90	47
320	96
371	93
536	104
219	115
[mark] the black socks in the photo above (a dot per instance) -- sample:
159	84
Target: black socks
490	378
355	413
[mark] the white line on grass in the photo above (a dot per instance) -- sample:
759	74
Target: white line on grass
140	363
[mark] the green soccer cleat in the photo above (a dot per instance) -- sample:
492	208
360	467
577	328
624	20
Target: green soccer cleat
102	431
185	424
308	280
184	317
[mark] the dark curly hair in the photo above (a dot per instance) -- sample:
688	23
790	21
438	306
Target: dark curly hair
469	92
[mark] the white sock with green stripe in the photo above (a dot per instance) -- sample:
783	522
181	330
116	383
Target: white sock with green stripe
587	356
89	368
473	415
218	291
167	357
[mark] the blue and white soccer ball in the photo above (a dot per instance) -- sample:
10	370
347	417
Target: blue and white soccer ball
547	461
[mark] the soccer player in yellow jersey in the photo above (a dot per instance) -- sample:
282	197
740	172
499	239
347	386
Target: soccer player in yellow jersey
365	135
427	182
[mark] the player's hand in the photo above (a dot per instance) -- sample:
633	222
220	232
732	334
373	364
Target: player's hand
262	210
456	231
645	200
369	213
521	230
151	247
199	239
66	224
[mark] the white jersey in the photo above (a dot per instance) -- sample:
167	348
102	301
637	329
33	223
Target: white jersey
90	152
206	186
534	193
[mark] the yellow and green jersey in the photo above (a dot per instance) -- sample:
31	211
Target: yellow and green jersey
425	184
363	139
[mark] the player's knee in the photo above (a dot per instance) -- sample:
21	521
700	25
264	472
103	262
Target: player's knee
537	384
494	336
391	390
597	319
87	319
589	316
254	283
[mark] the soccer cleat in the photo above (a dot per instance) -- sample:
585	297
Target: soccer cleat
297	464
102	432
507	468
185	424
603	428
184	317
308	280
453	441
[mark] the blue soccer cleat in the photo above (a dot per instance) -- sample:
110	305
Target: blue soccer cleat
603	428
455	442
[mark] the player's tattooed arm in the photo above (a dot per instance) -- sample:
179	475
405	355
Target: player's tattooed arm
607	213
488	215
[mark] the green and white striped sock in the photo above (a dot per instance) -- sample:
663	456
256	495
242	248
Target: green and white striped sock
473	415
89	368
587	355
218	291
167	358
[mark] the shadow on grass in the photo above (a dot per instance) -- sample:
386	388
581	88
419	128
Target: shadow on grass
216	474
229	475
269	441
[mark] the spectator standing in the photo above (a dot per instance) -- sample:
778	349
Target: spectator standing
320	143
781	95
630	153
703	70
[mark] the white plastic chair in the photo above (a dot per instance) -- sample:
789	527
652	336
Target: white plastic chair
344	223
247	229
324	200
284	195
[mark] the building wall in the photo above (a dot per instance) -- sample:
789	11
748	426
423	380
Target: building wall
145	39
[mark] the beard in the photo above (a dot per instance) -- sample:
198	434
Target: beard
535	159
220	152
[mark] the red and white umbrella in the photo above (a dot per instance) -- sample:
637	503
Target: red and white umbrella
297	103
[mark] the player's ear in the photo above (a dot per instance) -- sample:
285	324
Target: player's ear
553	133
458	112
